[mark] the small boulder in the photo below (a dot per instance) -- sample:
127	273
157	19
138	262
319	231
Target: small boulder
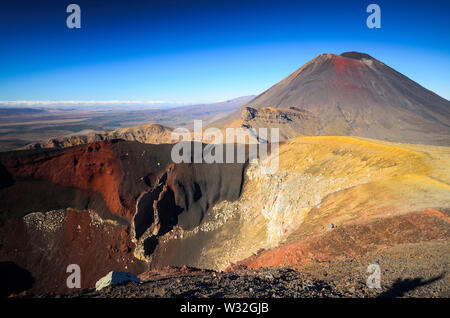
330	226
115	278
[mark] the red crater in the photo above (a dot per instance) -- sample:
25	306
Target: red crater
77	206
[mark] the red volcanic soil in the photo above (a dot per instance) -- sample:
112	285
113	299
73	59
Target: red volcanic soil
116	171
345	65
74	238
92	167
354	240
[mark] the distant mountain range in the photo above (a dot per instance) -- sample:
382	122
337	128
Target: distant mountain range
53	127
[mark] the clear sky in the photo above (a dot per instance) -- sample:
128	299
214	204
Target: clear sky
203	51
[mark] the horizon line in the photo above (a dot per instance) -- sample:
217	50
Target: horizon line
113	102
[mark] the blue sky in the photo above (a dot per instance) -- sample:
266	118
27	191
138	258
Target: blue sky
203	51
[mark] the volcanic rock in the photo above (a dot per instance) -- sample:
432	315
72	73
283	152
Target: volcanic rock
114	278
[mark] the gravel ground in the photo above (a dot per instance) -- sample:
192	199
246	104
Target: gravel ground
407	270
266	283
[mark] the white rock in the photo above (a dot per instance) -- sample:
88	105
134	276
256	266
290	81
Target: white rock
115	278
